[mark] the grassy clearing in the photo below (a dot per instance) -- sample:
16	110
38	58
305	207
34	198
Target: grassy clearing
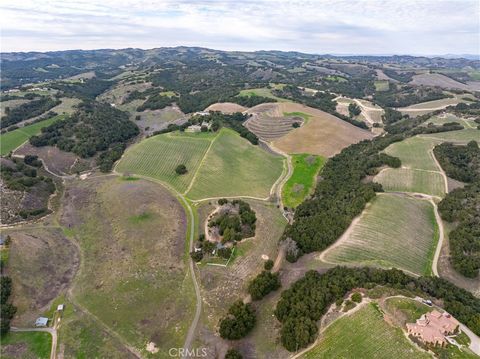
303	115
11	140
234	167
410	180
302	181
133	261
395	231
335	78
364	334
264	91
381	85
407	309
158	156
26	345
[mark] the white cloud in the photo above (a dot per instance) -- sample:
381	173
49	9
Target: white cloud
333	26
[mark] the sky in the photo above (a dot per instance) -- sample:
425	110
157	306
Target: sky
377	27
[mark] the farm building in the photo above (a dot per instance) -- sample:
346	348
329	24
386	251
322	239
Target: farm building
41	322
433	327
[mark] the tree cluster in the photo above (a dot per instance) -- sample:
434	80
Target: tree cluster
462	207
354	110
94	128
234	223
308	299
263	284
156	102
250	101
7	310
87	90
239	321
459	162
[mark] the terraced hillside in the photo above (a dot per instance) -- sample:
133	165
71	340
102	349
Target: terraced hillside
394	231
271	128
323	134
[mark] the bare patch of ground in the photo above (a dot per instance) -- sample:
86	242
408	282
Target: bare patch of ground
226	107
57	161
440	80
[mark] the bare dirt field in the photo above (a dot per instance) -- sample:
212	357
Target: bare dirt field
323	134
226	107
429	106
42	263
57	161
440	80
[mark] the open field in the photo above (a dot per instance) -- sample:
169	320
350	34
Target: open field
26	345
158	156
302	181
234	167
264	91
440	80
429	106
12	104
11	140
323	134
445	118
405	310
226	107
119	92
42	264
271	128
68	106
411	180
132	237
394	231
364	334
153	120
381	85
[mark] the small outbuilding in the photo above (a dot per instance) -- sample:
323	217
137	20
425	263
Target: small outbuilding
60	307
41	322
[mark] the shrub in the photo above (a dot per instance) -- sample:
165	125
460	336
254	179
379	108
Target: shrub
197	256
181	169
233	354
356	297
268	265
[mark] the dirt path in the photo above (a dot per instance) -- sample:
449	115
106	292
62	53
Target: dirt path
51	330
201	164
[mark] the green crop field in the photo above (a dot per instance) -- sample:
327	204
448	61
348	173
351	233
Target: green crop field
364	334
414	153
11	140
395	231
410	309
33	344
158	156
411	180
302	181
234	167
264	91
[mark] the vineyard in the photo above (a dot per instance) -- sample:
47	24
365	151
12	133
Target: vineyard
411	180
233	167
270	128
158	156
395	231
